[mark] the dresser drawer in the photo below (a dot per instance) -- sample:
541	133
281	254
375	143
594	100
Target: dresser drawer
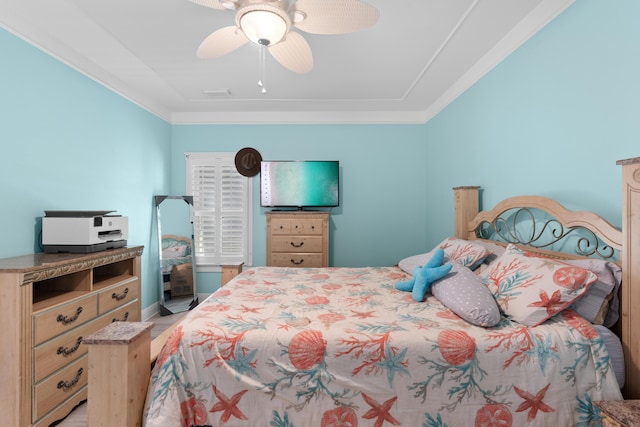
127	313
118	295
280	226
296	244
64	349
296	259
60	351
60	386
63	410
63	318
296	226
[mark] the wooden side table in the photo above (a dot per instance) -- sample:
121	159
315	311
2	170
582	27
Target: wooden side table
619	413
118	374
229	271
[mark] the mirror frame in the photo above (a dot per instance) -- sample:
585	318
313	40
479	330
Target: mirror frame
165	308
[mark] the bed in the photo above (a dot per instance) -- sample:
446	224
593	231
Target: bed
298	347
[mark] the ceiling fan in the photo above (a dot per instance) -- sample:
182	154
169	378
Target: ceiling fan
268	23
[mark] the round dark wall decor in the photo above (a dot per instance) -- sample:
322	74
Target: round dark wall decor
248	161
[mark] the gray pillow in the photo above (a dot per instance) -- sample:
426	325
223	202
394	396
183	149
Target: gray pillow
464	293
600	304
410	263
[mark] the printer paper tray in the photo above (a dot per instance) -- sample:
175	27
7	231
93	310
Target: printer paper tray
85	249
76	214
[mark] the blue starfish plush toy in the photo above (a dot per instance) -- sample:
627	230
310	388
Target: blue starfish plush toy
423	277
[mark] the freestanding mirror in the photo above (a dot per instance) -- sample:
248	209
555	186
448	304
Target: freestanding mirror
177	268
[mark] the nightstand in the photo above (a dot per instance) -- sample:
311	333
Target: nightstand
619	413
229	271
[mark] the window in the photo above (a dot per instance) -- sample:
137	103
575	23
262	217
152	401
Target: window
222	209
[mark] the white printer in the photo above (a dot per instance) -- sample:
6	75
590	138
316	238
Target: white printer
83	231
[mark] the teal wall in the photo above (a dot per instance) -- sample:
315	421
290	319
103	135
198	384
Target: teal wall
382	169
552	119
67	143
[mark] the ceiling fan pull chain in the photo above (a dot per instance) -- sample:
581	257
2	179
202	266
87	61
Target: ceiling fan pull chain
262	48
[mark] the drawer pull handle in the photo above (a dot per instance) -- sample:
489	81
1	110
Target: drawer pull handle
126	316
68	351
66	385
120	297
297	263
299	245
66	320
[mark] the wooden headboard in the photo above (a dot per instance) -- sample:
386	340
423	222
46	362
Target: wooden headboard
468	219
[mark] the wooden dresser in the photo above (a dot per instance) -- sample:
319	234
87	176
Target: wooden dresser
298	239
48	303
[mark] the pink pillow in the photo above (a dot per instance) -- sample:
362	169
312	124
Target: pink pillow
530	290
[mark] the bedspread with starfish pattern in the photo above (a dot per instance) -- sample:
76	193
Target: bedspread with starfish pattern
298	347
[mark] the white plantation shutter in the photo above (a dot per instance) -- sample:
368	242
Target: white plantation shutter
222	209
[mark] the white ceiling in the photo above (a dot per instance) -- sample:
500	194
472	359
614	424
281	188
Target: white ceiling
418	58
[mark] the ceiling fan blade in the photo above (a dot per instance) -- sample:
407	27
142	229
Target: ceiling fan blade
221	42
293	53
335	16
214	4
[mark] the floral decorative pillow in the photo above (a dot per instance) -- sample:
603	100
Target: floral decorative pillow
600	304
462	292
465	252
495	249
530	290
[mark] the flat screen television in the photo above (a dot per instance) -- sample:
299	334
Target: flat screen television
299	184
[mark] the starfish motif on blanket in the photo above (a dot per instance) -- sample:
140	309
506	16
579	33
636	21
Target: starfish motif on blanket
533	403
228	406
363	314
552	304
380	412
393	363
255	310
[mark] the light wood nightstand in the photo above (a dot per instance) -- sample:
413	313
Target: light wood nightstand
229	271
619	413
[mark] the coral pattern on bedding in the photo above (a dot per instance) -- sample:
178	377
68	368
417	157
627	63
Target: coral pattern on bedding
301	347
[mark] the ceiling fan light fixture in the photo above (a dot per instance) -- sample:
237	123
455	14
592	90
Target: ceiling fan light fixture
263	24
299	16
228	4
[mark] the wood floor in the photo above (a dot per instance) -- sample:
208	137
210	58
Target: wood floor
78	418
